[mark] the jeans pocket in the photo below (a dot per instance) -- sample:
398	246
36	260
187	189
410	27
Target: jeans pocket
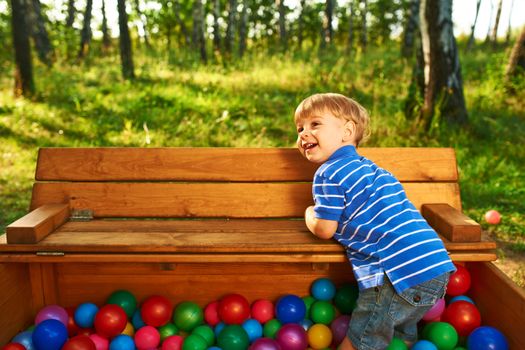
426	293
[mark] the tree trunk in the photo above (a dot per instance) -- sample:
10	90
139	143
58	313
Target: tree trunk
487	37
126	56
39	33
243	28
496	25
24	85
329	29
411	25
85	34
473	28
230	29
443	94
282	25
364	29
516	65
178	19
198	29
106	42
70	13
300	25
507	37
216	28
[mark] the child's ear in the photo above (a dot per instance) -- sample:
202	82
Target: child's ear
349	131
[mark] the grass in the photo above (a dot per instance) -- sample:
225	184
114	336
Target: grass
175	102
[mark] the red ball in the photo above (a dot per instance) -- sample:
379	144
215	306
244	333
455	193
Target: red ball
110	320
459	282
156	311
463	316
211	313
263	310
234	309
80	342
13	346
492	217
72	328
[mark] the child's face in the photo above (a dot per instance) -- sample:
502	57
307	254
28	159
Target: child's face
320	135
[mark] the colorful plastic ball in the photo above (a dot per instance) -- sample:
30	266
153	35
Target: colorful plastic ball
125	300
194	342
423	345
25	338
156	311
319	336
461	297
136	320
110	320
233	337
306	323
79	342
218	328
188	315
13	346
435	311
128	330
441	334
322	312
265	344
323	289
85	315
292	336
122	342
206	333
487	338
147	337
167	330
49	334
52	312
463	316
339	328
271	328
72	327
397	344
308	302
346	297
492	217
262	310
234	309
290	309
211	313
101	343
459	282
253	328
173	342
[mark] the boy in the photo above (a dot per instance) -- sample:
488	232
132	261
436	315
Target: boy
400	264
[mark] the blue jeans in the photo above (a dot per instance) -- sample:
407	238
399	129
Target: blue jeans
381	313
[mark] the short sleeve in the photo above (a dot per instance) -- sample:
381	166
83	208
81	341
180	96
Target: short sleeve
329	199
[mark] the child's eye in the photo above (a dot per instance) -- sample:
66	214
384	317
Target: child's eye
300	129
314	124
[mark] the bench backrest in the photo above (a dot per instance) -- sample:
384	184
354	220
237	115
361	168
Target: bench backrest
218	182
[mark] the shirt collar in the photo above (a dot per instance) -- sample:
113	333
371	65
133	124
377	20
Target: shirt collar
345	151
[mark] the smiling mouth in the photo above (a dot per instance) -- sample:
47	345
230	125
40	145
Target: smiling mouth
308	146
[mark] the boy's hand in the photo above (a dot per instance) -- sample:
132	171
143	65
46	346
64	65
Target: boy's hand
322	228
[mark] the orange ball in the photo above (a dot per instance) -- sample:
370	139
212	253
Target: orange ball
319	336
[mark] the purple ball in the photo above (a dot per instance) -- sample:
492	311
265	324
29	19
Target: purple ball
339	328
265	344
292	336
52	312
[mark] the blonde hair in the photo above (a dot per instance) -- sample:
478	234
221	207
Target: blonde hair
339	106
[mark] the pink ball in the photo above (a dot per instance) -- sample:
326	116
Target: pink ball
339	327
435	311
173	342
211	313
265	344
292	336
263	310
492	217
101	343
54	312
147	337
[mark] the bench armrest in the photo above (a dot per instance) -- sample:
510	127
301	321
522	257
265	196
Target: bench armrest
451	223
36	225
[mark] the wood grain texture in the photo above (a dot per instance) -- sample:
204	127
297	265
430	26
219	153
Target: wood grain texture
227	164
36	225
451	223
235	200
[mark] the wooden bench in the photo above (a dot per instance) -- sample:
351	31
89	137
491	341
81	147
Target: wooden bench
198	223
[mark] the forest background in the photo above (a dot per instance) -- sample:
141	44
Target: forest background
229	73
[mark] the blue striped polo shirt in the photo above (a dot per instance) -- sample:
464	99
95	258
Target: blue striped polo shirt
381	230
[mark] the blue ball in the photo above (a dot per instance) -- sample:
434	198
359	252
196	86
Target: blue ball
423	345
219	327
122	342
323	289
306	324
461	297
137	321
85	315
49	335
253	328
290	309
25	338
214	348
487	338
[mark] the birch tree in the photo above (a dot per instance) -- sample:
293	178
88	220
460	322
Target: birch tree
126	56
411	25
516	66
473	27
85	34
24	85
36	24
496	24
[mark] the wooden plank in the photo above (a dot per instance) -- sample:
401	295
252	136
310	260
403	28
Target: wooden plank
227	164
36	225
451	223
235	200
500	301
37	285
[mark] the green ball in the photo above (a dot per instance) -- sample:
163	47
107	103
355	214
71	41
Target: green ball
188	315
271	328
322	312
459	348
206	333
233	337
194	342
442	334
308	301
167	330
124	299
397	344
346	297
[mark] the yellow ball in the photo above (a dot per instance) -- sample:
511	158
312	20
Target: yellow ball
319	336
129	330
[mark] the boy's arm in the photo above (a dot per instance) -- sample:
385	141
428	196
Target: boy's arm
322	228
